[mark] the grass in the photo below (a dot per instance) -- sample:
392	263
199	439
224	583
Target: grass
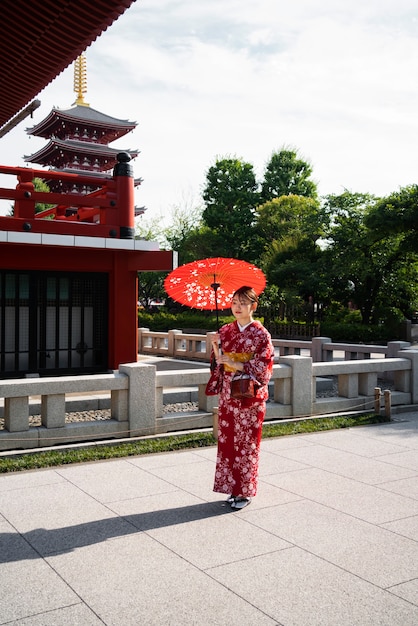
97	452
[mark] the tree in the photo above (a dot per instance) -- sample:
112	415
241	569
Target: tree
398	213
179	235
286	173
373	273
289	228
231	197
151	288
289	214
185	227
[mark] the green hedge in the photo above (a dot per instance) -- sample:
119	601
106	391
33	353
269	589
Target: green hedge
356	333
338	331
163	322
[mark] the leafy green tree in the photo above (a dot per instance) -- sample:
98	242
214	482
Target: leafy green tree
231	197
287	173
40	185
398	213
289	214
183	231
151	288
372	273
294	264
179	235
289	229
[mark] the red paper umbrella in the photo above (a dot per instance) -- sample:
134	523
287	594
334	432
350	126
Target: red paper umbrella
210	283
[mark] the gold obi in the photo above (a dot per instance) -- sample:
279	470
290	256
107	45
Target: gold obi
238	357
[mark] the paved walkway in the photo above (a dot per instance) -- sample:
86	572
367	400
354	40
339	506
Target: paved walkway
330	540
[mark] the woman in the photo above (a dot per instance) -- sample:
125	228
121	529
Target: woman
245	347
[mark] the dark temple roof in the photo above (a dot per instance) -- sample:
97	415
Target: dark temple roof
79	115
40	39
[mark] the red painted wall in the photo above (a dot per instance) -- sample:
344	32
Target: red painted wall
121	266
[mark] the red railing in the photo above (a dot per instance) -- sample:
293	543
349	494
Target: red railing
107	212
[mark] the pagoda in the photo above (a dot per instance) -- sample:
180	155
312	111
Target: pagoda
79	139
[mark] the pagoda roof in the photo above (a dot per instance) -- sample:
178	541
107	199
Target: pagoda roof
81	115
40	39
98	175
48	152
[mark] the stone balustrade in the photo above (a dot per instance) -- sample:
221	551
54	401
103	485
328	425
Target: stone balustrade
134	395
177	344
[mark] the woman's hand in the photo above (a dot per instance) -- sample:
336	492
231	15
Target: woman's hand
215	346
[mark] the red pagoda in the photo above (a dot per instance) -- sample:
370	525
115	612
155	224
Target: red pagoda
79	139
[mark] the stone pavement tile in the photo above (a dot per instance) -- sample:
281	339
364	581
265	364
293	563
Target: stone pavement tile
406	487
275	444
28	585
200	532
354	440
407	527
208	453
182	457
269	495
196	479
33	478
297	588
407	459
372	553
161	510
59	517
138	581
402	433
408	591
271	463
363	469
217	540
367	502
114	480
76	615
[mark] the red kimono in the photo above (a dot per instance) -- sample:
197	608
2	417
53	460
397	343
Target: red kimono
240	420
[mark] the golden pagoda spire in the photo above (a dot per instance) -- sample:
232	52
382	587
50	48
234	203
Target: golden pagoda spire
80	80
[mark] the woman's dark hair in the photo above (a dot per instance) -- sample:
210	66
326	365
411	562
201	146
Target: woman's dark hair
246	292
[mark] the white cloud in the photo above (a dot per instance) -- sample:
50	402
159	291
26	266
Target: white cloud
235	77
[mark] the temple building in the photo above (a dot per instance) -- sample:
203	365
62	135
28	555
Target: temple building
79	139
69	272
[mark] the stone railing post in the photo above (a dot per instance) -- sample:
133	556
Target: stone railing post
393	348
140	342
16	413
206	403
172	336
317	351
141	398
301	385
412	355
53	410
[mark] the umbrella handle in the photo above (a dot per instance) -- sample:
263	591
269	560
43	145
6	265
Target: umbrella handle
215	286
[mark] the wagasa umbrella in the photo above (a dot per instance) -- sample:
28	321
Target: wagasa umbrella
209	284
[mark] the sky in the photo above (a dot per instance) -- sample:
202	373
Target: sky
335	80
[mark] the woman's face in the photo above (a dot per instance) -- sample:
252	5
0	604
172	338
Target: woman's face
242	309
